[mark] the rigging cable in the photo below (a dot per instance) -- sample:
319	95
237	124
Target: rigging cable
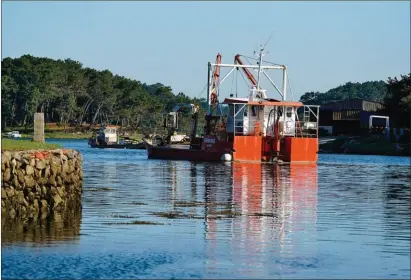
265	61
289	85
242	75
202	91
232	82
236	83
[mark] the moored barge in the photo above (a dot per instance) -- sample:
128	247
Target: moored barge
256	128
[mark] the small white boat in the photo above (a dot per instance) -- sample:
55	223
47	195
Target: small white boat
13	134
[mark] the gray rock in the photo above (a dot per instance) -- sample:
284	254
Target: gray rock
20	176
36	204
12	213
17	156
53	191
7	175
15	182
42	181
36	174
5	157
59	181
27	156
47	172
61	192
33	162
29	170
52	181
71	155
40	164
65	168
66	178
55	168
44	203
76	178
30	197
10	192
29	181
57	201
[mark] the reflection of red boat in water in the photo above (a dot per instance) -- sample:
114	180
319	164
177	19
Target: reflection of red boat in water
277	206
257	128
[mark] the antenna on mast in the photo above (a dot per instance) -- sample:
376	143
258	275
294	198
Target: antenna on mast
260	60
268	40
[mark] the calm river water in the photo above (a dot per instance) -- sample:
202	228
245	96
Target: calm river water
347	217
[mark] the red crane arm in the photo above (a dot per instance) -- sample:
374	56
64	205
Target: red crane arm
247	73
216	76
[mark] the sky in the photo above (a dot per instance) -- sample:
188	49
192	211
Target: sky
323	44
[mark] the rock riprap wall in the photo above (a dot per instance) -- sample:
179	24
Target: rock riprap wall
36	184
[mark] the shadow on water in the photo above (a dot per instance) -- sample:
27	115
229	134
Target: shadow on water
60	227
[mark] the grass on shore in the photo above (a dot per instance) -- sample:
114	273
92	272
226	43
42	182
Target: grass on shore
20	145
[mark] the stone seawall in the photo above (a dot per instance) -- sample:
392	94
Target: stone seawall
36	184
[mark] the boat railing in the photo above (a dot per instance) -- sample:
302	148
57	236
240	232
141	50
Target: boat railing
307	125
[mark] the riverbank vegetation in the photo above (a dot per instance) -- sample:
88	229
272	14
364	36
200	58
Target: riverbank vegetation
21	145
74	98
395	95
71	95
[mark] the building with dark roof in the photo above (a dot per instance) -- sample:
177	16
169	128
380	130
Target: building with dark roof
350	116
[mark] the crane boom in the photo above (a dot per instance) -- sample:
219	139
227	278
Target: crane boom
247	73
216	76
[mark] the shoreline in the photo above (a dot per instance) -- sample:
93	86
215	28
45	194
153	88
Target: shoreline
360	145
327	145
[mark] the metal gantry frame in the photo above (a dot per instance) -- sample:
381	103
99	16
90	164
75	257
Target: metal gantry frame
261	68
308	109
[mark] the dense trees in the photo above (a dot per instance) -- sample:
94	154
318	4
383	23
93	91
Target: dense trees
394	94
398	100
374	91
68	93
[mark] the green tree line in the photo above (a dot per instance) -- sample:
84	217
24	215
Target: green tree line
395	95
374	91
66	92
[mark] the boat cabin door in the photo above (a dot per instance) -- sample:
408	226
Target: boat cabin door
236	118
171	120
289	121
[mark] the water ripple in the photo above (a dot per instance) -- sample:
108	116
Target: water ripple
347	217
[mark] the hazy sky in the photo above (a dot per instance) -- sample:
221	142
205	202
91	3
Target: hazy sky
324	44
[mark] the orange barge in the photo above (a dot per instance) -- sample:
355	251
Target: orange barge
256	128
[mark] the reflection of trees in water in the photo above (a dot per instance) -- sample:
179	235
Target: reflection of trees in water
397	195
59	227
193	179
218	186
